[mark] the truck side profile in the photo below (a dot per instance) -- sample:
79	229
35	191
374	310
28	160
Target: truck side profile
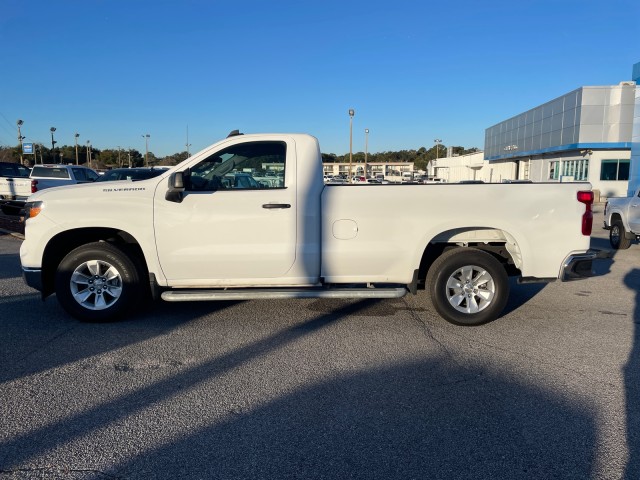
622	219
188	235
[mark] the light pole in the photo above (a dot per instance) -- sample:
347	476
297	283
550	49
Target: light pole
146	151
366	145
437	141
20	138
188	144
53	143
77	135
88	153
351	114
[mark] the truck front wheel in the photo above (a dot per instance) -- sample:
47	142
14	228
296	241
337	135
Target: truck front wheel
468	286
618	236
97	282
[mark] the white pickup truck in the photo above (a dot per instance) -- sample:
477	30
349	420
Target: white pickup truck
15	183
15	187
188	235
622	219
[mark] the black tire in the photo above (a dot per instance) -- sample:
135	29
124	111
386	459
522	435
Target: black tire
480	299
98	282
618	236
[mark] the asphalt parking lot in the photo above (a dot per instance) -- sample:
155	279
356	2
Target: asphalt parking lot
326	389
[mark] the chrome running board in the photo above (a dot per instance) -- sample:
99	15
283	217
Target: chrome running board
278	293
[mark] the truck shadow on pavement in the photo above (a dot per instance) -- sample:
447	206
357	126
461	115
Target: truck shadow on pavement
631	373
423	418
39	336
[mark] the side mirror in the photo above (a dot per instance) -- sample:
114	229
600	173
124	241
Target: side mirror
176	187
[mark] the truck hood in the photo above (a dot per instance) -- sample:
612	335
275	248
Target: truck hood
98	191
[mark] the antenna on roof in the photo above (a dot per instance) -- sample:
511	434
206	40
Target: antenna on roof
234	133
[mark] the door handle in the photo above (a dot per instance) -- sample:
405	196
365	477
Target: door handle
276	205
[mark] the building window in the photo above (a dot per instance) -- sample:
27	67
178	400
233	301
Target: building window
576	169
614	170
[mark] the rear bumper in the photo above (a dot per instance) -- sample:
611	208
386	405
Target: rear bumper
580	265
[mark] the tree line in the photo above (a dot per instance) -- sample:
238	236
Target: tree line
93	157
113	158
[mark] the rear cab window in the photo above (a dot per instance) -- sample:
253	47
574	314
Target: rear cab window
13	170
50	172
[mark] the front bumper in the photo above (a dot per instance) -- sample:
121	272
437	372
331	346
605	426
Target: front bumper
580	265
33	278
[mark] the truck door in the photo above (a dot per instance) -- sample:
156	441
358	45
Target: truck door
634	213
237	217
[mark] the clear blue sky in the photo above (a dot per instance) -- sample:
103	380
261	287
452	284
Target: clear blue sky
113	70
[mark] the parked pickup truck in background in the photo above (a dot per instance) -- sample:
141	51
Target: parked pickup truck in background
622	219
15	183
60	175
15	187
188	235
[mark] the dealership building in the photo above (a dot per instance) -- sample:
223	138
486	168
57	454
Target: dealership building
590	134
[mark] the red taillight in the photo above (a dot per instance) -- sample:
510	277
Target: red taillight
586	197
34	186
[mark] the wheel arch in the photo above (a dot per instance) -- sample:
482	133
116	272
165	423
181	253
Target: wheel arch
495	241
60	245
614	217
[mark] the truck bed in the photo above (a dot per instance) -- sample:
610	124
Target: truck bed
380	231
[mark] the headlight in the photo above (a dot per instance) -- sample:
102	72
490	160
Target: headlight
32	209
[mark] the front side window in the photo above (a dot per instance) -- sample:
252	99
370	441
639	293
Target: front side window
246	166
79	174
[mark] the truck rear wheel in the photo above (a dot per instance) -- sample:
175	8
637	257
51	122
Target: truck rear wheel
618	236
468	286
97	282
